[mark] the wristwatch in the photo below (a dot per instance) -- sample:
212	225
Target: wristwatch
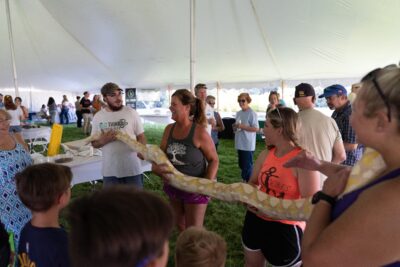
322	196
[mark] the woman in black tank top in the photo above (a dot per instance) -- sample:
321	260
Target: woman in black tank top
191	150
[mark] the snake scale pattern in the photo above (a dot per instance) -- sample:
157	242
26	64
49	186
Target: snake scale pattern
368	168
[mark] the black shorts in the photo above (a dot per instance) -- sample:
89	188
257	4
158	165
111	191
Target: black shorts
279	242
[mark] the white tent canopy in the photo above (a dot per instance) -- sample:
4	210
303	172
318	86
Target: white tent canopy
71	45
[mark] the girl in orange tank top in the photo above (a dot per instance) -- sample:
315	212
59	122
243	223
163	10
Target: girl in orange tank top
265	239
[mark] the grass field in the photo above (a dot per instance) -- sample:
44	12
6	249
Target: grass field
223	218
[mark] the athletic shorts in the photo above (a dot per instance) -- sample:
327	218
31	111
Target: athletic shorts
186	197
279	242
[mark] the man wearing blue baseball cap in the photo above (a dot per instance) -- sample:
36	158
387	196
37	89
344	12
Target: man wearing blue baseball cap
336	99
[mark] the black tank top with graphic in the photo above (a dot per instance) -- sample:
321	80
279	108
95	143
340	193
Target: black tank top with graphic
184	155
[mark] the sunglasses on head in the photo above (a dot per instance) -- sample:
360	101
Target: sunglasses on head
278	112
372	76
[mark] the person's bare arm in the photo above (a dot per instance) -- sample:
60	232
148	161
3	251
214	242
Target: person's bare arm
220	124
257	167
161	170
104	139
206	145
366	234
141	138
309	182
247	128
349	146
338	152
306	160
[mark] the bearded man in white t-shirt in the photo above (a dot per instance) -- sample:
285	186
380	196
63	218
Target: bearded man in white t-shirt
200	90
120	164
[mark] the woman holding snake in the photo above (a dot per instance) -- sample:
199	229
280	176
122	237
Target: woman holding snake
191	150
362	227
265	239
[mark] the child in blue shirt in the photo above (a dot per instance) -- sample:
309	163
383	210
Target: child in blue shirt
45	189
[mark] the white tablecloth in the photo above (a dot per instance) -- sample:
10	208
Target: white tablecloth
39	137
36	133
88	169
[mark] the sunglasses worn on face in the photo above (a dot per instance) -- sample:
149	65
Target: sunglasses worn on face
242	100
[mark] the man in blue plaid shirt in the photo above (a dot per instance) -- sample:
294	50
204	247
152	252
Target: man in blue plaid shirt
336	99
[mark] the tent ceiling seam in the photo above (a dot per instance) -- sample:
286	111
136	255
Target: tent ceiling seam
265	39
28	31
113	74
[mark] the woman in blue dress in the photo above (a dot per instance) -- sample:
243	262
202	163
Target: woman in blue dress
13	158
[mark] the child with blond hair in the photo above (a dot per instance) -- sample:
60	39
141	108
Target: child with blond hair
198	247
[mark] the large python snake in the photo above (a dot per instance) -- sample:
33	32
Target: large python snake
367	169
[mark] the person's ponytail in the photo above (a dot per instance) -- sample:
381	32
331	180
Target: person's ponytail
199	115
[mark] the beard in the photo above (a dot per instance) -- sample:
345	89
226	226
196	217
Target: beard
115	108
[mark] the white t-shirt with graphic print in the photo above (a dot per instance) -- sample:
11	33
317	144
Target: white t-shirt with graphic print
118	159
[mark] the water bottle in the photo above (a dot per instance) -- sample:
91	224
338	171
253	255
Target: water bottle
238	121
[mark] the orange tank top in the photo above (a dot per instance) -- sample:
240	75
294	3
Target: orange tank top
278	181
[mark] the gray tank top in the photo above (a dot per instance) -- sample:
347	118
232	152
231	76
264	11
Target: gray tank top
183	154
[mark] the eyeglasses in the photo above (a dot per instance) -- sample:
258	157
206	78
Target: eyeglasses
242	100
371	76
211	103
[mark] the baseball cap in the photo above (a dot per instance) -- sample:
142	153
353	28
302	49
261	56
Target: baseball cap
109	88
304	89
335	89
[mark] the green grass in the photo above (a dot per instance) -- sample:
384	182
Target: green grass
224	218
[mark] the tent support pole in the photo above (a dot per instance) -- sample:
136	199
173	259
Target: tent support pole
169	93
218	88
283	85
192	44
10	36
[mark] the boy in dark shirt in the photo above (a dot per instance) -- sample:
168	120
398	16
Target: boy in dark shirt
45	189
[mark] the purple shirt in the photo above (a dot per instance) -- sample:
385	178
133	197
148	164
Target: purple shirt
347	200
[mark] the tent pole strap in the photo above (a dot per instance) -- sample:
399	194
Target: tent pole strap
192	44
10	36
